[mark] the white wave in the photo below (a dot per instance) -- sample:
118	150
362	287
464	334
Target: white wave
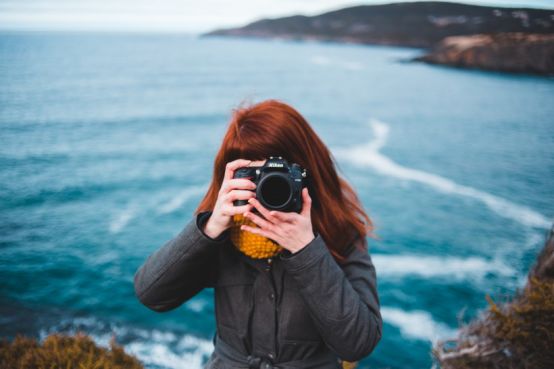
434	266
416	324
177	201
368	155
197	305
123	218
192	352
323	60
534	240
154	348
132	210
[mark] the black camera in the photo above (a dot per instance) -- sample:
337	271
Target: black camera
278	184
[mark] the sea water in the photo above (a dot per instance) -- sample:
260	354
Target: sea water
107	144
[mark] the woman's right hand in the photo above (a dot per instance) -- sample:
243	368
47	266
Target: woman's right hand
231	189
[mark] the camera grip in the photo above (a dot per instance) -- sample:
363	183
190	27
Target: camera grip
244	172
240	202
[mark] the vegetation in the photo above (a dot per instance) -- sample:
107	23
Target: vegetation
516	334
63	351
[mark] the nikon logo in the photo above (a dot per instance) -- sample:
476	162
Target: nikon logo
275	165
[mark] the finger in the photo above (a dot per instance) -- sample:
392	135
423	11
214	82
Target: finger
233	210
258	231
262	223
263	210
284	217
234	165
238	195
237	183
307	202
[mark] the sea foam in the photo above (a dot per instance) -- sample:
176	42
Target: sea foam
416	324
180	198
121	219
132	210
324	61
369	155
154	348
429	266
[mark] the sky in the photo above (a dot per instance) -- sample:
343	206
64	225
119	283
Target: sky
176	15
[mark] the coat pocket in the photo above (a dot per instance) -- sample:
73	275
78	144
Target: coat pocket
296	323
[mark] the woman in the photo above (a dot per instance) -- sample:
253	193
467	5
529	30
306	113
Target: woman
313	304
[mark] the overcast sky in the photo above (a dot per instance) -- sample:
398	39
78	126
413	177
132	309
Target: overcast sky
175	15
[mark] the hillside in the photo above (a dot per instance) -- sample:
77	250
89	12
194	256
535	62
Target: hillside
414	24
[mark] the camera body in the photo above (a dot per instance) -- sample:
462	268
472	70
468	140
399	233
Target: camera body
278	184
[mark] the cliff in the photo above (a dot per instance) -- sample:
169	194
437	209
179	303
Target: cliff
507	52
514	334
415	24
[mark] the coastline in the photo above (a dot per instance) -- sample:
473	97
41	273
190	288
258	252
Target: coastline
505	39
504	52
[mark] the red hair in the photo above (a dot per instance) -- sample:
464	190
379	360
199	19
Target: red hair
274	128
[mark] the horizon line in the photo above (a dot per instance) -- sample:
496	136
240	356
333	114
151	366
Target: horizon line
35	24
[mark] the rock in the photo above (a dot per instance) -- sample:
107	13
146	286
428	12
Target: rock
508	52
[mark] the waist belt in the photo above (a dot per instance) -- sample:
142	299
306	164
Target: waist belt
326	360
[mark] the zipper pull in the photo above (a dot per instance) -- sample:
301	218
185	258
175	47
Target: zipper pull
268	266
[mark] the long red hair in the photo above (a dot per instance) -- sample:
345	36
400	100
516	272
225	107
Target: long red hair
274	128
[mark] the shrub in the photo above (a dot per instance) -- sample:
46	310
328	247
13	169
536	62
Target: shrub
516	334
63	351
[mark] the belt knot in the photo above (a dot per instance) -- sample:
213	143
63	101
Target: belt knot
256	362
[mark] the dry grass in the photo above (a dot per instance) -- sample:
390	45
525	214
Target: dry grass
516	334
62	351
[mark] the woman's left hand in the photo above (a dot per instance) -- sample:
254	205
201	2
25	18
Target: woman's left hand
293	231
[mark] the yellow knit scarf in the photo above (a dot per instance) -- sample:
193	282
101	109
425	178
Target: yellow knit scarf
251	244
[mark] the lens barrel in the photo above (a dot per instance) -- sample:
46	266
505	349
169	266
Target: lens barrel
275	191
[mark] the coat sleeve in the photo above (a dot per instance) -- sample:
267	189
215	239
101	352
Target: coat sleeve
342	300
179	269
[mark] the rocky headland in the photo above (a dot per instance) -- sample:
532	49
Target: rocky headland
506	39
506	52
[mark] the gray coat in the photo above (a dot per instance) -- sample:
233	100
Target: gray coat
298	310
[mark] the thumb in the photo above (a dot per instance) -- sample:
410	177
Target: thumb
306	202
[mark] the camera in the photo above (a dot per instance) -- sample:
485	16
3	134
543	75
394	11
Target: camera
278	184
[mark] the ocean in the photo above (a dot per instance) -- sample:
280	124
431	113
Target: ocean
107	143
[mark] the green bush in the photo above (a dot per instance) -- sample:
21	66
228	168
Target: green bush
64	352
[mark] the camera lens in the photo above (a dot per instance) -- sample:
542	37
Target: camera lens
275	191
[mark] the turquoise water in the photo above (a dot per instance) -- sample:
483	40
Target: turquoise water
107	142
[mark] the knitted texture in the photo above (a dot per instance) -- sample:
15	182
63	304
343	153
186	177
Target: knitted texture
251	244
